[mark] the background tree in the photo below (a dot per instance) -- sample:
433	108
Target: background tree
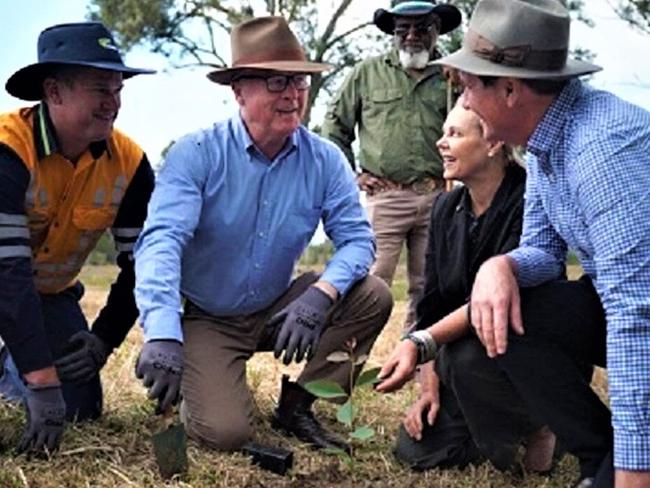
195	32
634	12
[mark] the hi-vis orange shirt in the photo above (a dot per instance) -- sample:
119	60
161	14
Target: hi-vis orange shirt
68	206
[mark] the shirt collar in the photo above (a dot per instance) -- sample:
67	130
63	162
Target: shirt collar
45	136
548	130
244	138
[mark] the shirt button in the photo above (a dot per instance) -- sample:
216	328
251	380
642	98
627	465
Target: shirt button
265	203
260	234
257	266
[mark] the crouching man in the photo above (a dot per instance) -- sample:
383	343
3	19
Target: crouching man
234	208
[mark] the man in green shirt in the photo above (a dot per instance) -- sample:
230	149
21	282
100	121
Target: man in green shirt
398	103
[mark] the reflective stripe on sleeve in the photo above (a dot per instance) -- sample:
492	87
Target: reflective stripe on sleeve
15	252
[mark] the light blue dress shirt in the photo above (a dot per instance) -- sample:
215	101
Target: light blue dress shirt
588	189
226	225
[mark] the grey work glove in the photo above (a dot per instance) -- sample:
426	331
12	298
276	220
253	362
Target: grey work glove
45	410
87	356
160	367
302	322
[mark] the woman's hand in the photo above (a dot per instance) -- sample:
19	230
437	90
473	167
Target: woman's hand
428	402
399	368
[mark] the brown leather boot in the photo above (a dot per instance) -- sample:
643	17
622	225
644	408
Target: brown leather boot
293	415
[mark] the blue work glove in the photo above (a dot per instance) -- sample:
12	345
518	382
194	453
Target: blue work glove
302	322
160	367
87	357
45	410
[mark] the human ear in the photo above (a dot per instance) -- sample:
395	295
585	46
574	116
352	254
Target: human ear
512	90
237	91
494	148
51	92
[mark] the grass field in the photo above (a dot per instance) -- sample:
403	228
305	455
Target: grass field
116	450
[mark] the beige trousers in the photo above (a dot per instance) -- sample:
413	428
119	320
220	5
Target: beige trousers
217	407
398	218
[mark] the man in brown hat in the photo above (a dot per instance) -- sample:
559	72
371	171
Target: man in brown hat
588	158
398	103
66	176
233	209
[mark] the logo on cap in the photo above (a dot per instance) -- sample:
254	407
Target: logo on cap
107	43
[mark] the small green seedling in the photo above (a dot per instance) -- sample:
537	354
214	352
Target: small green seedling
347	412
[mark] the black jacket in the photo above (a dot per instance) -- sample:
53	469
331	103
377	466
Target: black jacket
450	270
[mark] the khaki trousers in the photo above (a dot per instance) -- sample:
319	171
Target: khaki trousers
400	217
217	407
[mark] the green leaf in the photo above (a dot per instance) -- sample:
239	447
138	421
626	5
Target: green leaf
368	377
325	389
363	433
338	357
346	413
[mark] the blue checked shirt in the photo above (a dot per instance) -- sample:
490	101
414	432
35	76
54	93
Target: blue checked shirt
588	189
226	226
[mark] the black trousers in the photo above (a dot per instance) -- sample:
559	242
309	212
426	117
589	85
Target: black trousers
446	444
449	442
543	372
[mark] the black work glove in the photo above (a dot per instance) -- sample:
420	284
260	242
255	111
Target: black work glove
302	322
160	367
45	411
87	357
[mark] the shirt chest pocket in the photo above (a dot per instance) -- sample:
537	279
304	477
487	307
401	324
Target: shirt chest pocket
384	105
93	219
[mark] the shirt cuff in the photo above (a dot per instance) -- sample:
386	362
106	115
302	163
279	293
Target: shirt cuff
163	325
631	451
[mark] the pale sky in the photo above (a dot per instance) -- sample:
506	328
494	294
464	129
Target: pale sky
161	107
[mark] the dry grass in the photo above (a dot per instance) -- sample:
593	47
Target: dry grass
116	452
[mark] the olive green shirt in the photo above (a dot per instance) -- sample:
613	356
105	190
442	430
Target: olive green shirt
399	118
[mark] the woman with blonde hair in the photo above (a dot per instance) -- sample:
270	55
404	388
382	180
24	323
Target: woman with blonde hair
470	224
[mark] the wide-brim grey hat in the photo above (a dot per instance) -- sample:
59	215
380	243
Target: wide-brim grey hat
518	38
81	44
449	15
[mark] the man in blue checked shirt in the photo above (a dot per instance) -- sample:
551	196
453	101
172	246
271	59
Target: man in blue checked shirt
233	210
588	157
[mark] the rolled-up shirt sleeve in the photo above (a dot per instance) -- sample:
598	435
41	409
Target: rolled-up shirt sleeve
541	254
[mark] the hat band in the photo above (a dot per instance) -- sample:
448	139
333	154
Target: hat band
271	56
516	56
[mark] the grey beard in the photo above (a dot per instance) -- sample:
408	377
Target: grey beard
416	60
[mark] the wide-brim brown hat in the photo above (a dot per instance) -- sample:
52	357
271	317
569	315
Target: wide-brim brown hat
518	38
448	14
265	43
87	44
